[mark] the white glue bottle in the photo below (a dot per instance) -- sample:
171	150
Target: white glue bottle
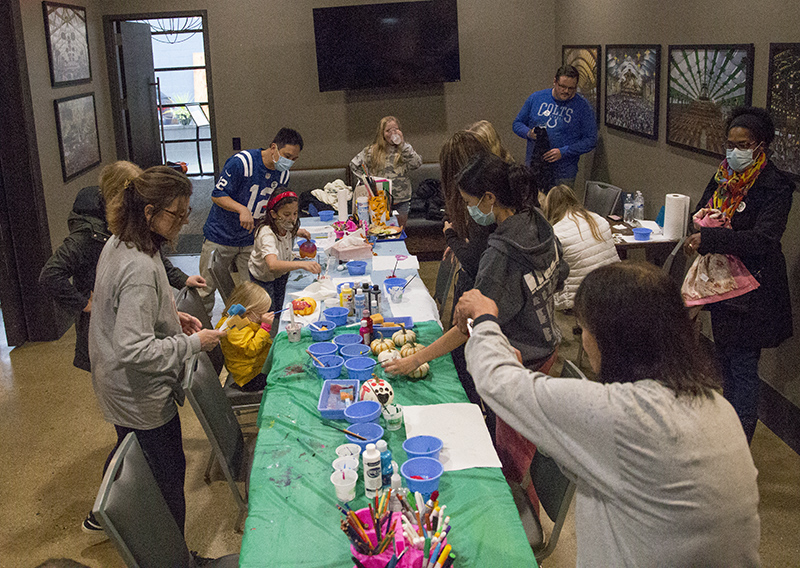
372	471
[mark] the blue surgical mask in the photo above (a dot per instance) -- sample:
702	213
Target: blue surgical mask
283	163
739	160
481	218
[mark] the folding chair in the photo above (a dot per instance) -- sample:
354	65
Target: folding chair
188	300
675	265
136	518
554	489
219	422
221	275
603	198
444	280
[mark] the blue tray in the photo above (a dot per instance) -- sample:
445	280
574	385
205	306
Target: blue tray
401	237
407	321
337	412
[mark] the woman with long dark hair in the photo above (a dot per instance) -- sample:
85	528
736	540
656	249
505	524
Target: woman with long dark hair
755	196
663	472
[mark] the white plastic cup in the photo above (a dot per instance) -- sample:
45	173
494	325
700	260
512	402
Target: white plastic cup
344	481
346	450
393	414
293	331
346	462
396	292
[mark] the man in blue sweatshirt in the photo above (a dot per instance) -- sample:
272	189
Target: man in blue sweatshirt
568	122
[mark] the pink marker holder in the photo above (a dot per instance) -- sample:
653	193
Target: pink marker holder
411	559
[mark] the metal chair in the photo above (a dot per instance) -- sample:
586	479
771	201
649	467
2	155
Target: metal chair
675	264
444	280
219	422
554	489
603	198
221	275
188	300
136	518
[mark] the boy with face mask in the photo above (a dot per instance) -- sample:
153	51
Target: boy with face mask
240	197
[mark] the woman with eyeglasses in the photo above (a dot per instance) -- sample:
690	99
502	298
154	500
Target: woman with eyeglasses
751	193
138	341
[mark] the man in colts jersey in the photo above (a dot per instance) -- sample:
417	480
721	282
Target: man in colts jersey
247	181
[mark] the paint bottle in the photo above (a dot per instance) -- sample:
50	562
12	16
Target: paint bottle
386	463
372	471
346	298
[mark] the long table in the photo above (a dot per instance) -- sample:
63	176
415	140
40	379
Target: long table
293	520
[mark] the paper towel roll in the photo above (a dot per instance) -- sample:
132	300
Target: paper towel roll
676	215
341	205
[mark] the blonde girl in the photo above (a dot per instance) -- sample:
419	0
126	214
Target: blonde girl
246	346
271	260
585	237
391	157
485	130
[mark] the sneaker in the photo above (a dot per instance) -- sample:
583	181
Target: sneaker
90	525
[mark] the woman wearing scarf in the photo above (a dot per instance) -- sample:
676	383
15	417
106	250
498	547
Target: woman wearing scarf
756	197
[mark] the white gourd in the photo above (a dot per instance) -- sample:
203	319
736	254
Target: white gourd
404	336
420	371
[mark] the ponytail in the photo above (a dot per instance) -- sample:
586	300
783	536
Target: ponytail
512	184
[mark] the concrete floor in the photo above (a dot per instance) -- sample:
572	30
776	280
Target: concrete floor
54	442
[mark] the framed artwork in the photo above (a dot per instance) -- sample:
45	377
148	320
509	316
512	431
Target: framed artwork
632	88
67	44
705	83
783	103
78	141
586	59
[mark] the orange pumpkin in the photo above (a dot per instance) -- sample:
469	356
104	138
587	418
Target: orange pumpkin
304	306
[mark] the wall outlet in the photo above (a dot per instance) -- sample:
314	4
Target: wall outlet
237	143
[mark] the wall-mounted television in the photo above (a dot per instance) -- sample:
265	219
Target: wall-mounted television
387	45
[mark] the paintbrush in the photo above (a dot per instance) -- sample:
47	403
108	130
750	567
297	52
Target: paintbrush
409	282
353	434
321	364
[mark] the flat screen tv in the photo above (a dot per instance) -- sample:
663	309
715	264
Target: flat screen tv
387	45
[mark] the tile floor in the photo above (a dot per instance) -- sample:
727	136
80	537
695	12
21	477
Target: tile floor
53	441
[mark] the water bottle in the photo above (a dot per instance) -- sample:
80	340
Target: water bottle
386	463
628	217
638	209
362	208
360	304
372	471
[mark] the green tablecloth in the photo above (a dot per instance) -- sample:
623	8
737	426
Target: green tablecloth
293	520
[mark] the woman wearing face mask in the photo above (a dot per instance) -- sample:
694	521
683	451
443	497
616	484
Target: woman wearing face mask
755	196
521	269
391	157
271	260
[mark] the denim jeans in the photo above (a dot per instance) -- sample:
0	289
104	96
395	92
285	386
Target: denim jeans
741	383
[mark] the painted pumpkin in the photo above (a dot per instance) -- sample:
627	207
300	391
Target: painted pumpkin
377	389
404	336
378	346
410	348
420	371
304	306
388	355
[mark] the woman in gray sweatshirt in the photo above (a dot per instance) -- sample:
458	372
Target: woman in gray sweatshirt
138	341
663	471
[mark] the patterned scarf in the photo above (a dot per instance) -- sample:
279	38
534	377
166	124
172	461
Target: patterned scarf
733	186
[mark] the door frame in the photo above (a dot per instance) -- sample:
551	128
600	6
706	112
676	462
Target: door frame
115	75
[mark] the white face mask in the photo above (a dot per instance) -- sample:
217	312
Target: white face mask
739	160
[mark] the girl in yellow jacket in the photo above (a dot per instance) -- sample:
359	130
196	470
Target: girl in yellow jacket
247	343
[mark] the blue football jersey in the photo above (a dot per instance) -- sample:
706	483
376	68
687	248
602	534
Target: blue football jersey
246	180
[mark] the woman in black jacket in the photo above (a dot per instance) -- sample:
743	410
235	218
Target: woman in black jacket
756	196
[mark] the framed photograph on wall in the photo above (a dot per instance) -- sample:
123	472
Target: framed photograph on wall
67	44
783	103
78	141
705	83
632	88
586	59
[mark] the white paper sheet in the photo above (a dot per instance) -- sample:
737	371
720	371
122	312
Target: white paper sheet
387	263
461	427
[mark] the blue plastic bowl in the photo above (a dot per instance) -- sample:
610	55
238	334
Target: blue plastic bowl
423	447
357	267
354	350
392	282
322	349
641	233
363	411
359	368
324	335
336	315
371	431
333	367
326	216
429	469
347	339
340	286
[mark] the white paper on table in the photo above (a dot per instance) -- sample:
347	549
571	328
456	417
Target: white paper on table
387	263
416	304
461	428
305	320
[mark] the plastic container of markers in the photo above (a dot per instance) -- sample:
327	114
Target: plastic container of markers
411	559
